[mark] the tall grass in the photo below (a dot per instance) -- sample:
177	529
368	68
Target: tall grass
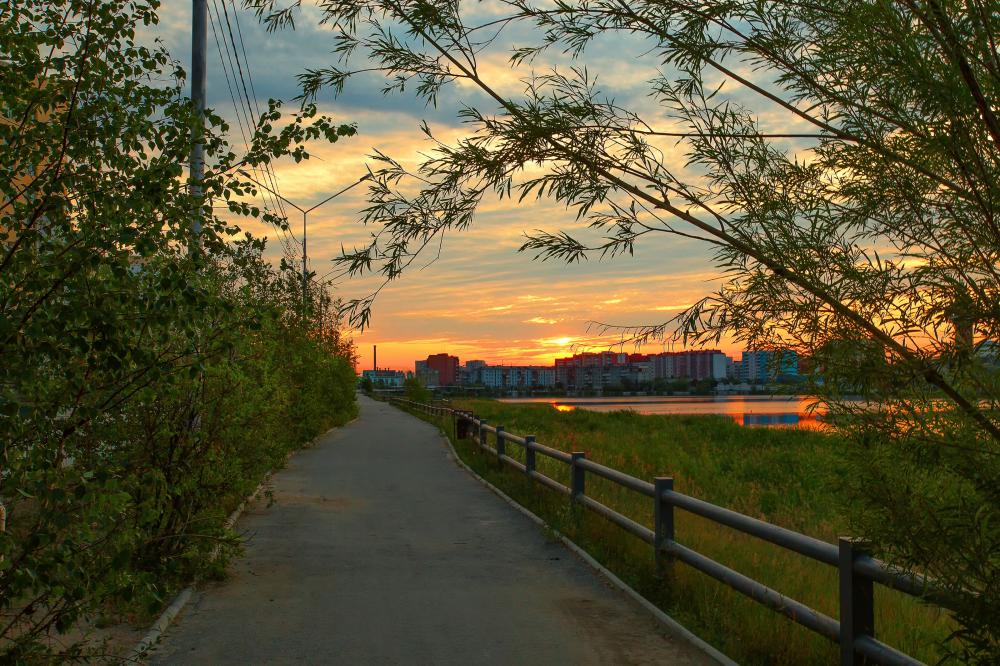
787	477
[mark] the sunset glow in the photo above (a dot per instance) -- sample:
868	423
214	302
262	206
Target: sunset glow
479	298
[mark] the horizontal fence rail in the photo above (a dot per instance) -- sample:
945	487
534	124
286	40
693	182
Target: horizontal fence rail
858	571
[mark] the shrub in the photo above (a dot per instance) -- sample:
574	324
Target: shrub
149	377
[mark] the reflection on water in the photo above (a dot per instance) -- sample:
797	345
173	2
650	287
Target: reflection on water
749	411
786	420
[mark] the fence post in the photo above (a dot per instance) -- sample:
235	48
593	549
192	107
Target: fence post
463	424
529	454
663	522
857	603
501	446
578	481
482	434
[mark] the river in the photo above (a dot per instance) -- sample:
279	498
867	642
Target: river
746	410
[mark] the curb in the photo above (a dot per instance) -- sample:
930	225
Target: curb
676	627
167	617
160	626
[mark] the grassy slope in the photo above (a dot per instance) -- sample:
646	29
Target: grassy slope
788	477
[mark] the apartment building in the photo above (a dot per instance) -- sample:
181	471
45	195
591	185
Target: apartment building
446	367
695	365
758	367
517	376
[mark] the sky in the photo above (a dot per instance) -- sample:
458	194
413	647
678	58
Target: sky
478	298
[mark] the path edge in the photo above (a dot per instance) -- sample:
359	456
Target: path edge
676	627
171	612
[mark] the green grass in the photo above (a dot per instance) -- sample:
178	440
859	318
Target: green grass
787	477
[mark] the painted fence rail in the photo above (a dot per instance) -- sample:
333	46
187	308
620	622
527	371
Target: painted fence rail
858	571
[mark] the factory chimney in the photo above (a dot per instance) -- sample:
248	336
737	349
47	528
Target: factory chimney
375	358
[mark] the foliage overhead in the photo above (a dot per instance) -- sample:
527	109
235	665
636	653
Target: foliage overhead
841	160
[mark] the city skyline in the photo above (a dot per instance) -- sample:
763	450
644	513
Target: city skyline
595	370
568	343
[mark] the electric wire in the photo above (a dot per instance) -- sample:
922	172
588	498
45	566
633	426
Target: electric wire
247	94
267	198
225	68
250	97
253	94
251	101
272	175
237	106
286	237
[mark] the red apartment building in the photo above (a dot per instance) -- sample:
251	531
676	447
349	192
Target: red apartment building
446	366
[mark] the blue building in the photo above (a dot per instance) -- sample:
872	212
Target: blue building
759	367
385	378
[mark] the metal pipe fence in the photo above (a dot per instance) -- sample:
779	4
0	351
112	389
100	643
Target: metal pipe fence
858	571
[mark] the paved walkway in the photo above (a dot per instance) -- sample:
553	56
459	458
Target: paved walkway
380	550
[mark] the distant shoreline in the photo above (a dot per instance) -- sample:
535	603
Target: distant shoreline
654	399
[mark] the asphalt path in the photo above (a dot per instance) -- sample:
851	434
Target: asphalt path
379	549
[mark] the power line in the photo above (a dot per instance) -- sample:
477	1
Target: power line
253	90
246	95
272	177
239	108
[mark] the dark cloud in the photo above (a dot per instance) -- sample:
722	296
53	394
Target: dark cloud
275	60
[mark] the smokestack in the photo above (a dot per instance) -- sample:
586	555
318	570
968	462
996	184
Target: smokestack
375	358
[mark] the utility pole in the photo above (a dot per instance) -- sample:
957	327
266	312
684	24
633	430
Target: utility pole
305	269
199	50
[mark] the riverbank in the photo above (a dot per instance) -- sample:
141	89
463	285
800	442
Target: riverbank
787	477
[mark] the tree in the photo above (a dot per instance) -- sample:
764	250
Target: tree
149	377
703	386
840	158
680	386
415	390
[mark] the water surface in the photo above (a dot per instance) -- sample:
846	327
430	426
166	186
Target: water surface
746	410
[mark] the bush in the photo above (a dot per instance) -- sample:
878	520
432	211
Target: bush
415	390
149	378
